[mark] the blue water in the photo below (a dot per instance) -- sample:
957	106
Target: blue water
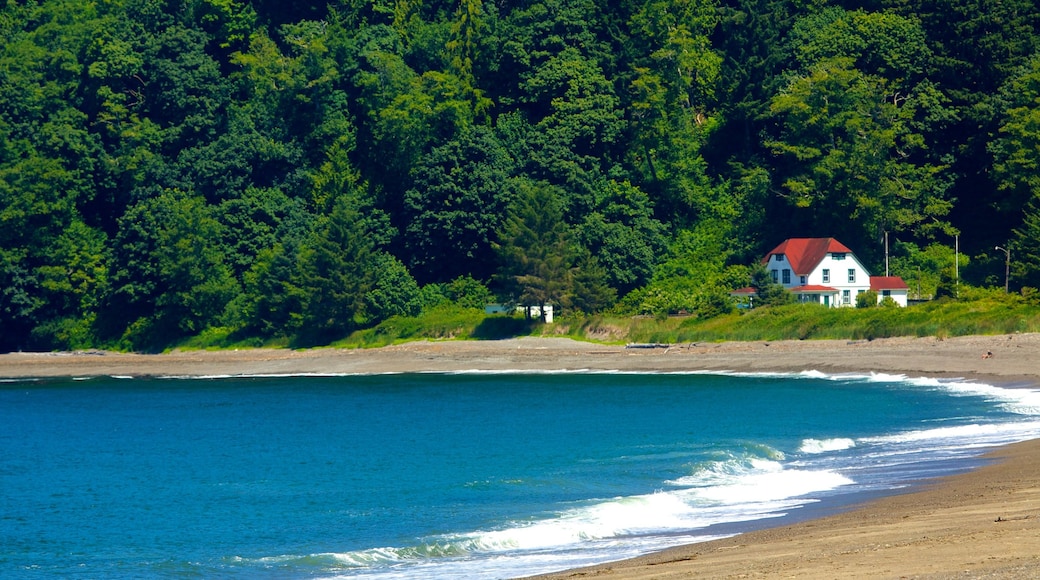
453	475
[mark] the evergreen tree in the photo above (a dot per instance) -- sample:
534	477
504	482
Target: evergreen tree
536	249
335	274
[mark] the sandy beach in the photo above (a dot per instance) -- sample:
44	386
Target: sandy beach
1004	359
985	523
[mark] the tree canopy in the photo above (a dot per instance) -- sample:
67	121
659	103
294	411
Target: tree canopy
300	170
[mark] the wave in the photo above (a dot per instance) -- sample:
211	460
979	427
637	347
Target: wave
1020	401
755	483
421	562
962	436
746	485
814	446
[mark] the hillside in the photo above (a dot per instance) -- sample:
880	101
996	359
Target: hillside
301	171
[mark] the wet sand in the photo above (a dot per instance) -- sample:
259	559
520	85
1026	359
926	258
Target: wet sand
985	523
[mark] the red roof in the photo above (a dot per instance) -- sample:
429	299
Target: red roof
812	288
743	291
887	283
804	254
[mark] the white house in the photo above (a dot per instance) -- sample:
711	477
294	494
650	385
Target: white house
825	271
889	287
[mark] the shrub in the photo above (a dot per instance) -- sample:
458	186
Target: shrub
868	299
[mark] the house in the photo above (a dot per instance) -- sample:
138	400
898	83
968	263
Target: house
824	271
889	287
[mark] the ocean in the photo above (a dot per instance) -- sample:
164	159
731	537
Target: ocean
455	475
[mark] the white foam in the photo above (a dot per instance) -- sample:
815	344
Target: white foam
977	435
773	486
814	446
1018	401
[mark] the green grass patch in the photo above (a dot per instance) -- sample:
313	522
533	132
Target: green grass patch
979	313
439	324
223	338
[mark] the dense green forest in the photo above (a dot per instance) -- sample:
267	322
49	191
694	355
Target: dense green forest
306	169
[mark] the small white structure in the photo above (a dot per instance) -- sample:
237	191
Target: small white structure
526	310
824	271
889	287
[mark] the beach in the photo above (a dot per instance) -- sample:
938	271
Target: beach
985	523
1004	359
982	524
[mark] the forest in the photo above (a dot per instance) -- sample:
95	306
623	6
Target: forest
302	169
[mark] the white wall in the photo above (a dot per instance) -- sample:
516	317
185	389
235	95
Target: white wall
839	276
898	295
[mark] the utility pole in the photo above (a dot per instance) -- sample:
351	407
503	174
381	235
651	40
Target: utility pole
1007	266
886	254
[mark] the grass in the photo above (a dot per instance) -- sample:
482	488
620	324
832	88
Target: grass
979	313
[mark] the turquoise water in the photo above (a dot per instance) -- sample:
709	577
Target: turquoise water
473	475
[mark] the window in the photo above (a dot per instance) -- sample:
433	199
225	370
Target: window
787	276
826	275
838	256
776	278
852	275
886	292
802	280
846	297
779	257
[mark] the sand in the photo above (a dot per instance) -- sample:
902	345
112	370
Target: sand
1005	358
982	524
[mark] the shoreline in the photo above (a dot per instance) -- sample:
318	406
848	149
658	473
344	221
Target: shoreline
982	522
1004	359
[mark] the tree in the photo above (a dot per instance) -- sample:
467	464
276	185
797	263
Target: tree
770	293
168	278
1016	146
536	248
849	155
394	291
572	143
72	278
674	79
19	300
590	292
976	46
622	233
335	274
184	91
1016	167
459	202
1027	245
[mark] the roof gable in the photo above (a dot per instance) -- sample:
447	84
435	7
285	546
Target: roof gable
804	254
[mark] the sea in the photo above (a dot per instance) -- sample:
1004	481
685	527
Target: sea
475	475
